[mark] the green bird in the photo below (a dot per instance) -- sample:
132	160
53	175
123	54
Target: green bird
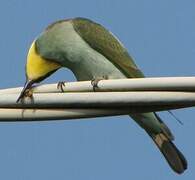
91	51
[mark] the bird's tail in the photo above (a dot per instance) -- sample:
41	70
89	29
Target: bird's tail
174	157
163	140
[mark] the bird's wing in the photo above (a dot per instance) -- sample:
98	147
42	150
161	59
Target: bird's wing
103	41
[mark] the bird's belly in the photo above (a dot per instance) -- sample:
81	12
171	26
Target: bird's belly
94	65
87	63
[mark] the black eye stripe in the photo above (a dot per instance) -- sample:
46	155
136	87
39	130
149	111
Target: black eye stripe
45	76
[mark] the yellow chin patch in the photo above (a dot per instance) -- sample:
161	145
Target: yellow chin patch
37	67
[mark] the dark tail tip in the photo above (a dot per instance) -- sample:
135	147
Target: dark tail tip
174	157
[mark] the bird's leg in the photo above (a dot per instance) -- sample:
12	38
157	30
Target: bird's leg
61	85
95	81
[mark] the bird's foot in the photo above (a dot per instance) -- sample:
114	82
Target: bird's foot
61	85
95	81
28	94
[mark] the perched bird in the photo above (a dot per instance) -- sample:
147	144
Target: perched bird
91	51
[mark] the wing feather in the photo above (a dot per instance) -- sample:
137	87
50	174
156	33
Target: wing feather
103	41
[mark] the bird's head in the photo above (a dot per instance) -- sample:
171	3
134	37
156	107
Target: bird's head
41	62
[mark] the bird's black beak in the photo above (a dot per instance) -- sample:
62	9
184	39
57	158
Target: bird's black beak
27	86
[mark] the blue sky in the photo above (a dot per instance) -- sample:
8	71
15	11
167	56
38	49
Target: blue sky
160	36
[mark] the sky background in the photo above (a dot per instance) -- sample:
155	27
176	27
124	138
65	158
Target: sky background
160	36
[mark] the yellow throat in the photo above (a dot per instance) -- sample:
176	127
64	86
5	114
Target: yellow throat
38	67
